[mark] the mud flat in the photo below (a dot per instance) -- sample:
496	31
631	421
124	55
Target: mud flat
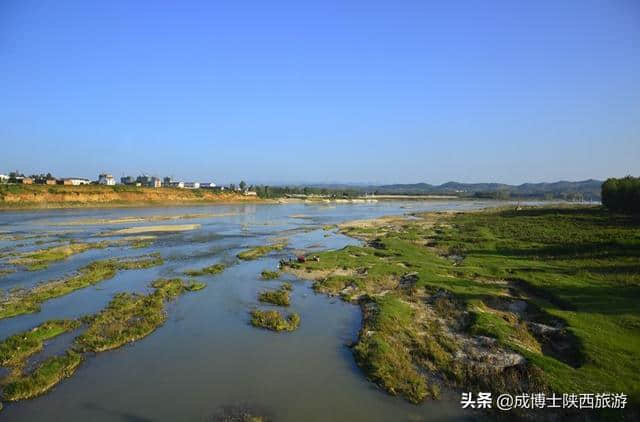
168	228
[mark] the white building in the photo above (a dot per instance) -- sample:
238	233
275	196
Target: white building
106	179
75	181
192	185
208	185
4	178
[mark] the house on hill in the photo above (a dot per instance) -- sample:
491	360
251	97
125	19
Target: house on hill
74	181
106	179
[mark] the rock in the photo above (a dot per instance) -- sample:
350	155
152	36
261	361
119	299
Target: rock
409	280
517	306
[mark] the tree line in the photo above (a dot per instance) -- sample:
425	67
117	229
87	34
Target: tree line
622	195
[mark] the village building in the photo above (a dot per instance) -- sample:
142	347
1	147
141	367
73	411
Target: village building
155	182
192	185
149	181
4	178
174	184
106	179
74	181
45	181
127	180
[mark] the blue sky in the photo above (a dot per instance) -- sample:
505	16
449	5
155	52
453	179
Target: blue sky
295	91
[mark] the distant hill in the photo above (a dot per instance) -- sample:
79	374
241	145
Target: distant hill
586	189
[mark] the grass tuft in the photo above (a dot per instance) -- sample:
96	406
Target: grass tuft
210	270
259	251
273	320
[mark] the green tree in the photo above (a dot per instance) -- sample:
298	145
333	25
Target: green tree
622	195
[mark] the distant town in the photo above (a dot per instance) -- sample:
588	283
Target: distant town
15	177
580	191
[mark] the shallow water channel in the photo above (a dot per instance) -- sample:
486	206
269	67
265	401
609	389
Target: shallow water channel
207	355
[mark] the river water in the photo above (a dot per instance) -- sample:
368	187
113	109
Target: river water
207	356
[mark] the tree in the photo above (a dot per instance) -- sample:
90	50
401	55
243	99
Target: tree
243	185
622	195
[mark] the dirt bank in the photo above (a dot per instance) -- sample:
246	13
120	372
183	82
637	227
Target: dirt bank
41	196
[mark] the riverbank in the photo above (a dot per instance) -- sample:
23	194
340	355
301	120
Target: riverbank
526	300
17	197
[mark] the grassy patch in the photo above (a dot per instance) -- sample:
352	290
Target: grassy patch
49	373
559	287
129	317
259	251
39	260
383	353
278	297
16	349
195	286
273	320
141	243
210	270
29	301
269	275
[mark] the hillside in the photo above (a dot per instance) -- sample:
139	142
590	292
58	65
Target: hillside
586	189
42	196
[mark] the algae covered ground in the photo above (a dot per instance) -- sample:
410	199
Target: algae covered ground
278	297
39	260
510	300
29	301
210	270
126	319
274	320
259	251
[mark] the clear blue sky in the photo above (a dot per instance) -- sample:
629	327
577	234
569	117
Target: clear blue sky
293	91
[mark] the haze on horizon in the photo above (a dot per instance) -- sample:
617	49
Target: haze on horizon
288	91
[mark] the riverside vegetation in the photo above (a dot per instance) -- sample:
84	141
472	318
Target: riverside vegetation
277	297
269	275
526	300
210	270
29	301
127	318
39	260
274	320
259	251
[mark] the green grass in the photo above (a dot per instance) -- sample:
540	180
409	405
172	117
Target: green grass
259	251
16	349
382	354
130	317
278	297
576	268
127	318
210	270
194	286
49	373
39	260
269	275
273	320
29	301
141	243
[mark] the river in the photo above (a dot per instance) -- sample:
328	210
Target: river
207	355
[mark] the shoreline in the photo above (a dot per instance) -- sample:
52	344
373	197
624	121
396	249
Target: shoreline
411	274
37	206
